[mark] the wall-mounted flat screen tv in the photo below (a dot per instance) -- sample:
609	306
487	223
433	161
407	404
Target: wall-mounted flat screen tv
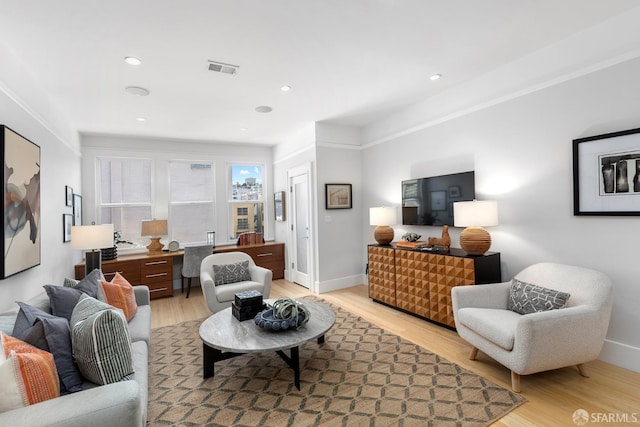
429	201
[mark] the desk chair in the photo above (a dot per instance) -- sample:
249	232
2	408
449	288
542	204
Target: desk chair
193	256
250	238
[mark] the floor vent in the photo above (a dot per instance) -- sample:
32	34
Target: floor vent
221	67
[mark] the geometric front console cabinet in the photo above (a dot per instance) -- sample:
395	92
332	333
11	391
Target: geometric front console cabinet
420	282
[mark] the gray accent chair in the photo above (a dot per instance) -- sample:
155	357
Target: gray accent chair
540	341
191	260
220	297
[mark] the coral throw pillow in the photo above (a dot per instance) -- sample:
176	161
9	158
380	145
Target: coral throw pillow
119	293
28	375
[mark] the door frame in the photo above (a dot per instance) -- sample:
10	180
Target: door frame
305	168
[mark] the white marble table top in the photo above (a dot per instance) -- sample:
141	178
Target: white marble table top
224	332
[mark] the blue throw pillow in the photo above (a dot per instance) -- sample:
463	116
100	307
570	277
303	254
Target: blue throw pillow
62	300
52	334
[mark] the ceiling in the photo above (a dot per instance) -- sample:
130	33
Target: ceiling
347	62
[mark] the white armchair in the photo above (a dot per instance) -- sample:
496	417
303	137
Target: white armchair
540	341
220	297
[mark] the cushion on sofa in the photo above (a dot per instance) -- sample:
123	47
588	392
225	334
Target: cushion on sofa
526	298
50	333
101	343
119	293
90	285
493	324
62	300
27	374
231	273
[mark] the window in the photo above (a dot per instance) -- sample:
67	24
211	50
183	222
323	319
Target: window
125	194
191	201
246	199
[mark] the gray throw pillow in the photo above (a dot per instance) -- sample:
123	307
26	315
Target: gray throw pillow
90	285
62	300
50	333
101	343
525	298
231	273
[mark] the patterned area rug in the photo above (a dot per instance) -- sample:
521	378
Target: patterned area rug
361	376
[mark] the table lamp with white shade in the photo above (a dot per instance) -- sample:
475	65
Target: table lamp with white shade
92	238
155	228
475	215
383	217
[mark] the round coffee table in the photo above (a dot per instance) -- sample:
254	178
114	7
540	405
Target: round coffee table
223	337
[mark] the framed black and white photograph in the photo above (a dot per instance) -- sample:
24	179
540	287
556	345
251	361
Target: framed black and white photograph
77	209
68	196
606	174
454	191
67	223
337	196
22	233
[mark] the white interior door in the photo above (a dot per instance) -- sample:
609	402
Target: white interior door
300	230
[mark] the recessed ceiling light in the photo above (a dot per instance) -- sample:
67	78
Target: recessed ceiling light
136	90
264	109
243	129
435	76
285	88
140	119
132	60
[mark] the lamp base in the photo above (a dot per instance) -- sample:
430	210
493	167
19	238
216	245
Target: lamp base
155	245
383	234
475	240
92	260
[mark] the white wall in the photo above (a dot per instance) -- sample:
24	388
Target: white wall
521	150
28	111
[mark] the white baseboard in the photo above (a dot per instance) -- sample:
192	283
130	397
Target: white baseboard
622	355
341	283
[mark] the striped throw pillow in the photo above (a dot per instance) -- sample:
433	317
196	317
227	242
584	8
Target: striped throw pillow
100	341
119	293
28	375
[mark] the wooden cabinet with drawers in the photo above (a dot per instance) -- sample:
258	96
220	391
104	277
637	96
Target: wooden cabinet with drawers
154	271
420	282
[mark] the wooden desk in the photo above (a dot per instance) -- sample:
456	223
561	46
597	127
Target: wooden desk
156	270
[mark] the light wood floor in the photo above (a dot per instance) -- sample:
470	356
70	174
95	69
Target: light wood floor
552	396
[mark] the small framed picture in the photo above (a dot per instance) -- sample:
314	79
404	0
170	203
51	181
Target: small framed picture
68	194
67	223
454	191
279	206
77	209
337	196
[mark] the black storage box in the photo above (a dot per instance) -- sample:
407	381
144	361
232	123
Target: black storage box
248	299
246	313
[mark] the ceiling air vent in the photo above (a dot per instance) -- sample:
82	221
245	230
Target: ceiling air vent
221	67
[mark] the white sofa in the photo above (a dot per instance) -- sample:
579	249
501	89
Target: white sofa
122	404
539	341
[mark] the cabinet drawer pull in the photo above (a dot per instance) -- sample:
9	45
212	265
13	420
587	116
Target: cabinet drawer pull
157	290
155	262
267	254
148	276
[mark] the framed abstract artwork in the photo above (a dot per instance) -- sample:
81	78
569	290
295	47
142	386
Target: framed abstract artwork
337	196
606	174
22	234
